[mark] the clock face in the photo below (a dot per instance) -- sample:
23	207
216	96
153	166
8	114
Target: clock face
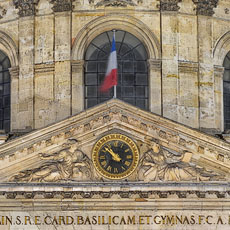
115	156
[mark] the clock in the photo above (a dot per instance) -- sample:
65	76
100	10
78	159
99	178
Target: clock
115	156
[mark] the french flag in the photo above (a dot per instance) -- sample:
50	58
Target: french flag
111	73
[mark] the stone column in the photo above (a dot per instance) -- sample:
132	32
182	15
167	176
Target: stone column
155	90
25	114
77	86
219	94
62	47
14	74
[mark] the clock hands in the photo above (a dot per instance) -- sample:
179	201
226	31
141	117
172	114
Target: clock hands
115	156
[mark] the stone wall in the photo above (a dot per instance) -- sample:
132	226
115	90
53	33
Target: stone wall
186	41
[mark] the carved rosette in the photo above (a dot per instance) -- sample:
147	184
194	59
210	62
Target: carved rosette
205	7
169	5
116	3
25	7
62	5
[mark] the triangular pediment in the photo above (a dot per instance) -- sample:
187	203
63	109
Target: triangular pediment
168	151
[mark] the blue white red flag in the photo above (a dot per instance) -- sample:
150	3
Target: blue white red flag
111	73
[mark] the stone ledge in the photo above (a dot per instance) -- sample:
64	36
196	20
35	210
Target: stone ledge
131	190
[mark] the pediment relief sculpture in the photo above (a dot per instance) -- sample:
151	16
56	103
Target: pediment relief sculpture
162	164
69	163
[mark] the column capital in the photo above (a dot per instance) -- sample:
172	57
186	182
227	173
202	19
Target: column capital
77	65
25	7
205	7
154	64
62	5
166	5
14	72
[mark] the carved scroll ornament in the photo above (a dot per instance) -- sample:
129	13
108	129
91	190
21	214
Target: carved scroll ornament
161	164
69	163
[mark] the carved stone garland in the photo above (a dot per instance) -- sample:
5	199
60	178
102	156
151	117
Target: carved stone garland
205	7
169	5
117	3
26	7
62	5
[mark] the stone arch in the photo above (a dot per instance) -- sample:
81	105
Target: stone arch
119	22
221	48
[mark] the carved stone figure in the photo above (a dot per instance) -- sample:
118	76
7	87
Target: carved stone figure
205	7
26	7
70	163
169	5
161	164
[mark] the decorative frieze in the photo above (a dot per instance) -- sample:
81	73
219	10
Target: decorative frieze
205	7
116	3
169	5
62	5
26	7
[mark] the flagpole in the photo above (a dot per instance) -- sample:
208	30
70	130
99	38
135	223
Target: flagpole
114	87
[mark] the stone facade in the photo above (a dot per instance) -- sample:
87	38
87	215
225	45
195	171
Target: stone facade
182	173
187	38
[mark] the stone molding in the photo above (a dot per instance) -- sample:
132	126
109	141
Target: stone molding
219	71
116	3
77	65
107	190
62	5
169	5
25	7
44	68
14	72
205	7
188	67
154	64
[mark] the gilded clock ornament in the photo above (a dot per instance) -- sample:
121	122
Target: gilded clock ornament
115	156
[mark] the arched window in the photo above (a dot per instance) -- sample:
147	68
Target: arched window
4	92
132	69
227	92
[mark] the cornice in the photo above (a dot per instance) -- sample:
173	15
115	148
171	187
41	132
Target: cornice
124	190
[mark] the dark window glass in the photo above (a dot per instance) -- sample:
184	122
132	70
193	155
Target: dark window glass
132	69
227	92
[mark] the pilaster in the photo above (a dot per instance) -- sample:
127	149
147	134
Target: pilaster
155	90
77	86
62	49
